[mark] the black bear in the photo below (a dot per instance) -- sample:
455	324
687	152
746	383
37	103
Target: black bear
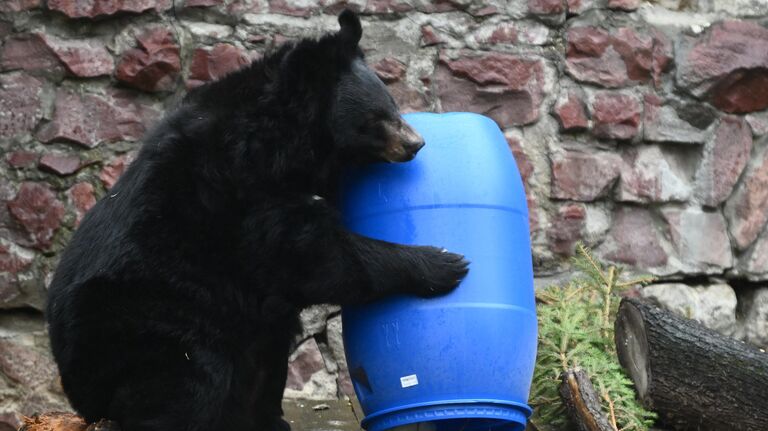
176	302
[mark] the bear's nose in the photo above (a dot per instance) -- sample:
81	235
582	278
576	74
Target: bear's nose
412	141
416	145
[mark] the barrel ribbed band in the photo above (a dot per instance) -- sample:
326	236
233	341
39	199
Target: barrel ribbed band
503	417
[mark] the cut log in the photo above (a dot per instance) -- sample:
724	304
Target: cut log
63	421
582	402
693	377
54	421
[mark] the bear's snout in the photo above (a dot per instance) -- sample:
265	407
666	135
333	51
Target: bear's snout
412	141
403	142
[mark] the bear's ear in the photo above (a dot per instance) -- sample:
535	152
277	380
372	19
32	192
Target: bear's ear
350	33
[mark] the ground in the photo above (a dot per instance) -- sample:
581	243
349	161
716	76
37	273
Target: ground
330	415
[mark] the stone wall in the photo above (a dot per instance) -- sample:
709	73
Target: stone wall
639	128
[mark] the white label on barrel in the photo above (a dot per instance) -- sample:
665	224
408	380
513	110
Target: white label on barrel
409	381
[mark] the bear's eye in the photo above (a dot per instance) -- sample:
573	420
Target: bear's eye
378	116
367	128
370	128
371	122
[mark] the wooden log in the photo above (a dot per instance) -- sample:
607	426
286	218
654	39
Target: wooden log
582	401
54	421
63	421
693	377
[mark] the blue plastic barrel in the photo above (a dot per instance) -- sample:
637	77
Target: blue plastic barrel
464	361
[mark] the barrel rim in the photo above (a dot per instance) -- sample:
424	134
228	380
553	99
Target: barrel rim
472	402
451	114
504	410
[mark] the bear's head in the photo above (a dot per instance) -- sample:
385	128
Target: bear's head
301	113
364	119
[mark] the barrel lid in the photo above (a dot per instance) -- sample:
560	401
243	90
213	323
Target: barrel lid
466	162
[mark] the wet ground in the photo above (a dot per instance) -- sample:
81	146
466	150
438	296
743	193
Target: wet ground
331	415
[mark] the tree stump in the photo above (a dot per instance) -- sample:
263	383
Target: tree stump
693	377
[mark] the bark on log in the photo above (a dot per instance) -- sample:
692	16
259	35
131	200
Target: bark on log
582	402
693	377
62	421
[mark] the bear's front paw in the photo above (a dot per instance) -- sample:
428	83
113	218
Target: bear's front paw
440	271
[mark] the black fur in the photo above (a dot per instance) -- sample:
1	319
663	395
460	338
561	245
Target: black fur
174	306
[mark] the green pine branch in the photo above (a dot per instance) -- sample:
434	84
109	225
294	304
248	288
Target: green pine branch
576	330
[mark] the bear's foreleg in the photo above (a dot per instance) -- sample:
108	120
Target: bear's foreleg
319	261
